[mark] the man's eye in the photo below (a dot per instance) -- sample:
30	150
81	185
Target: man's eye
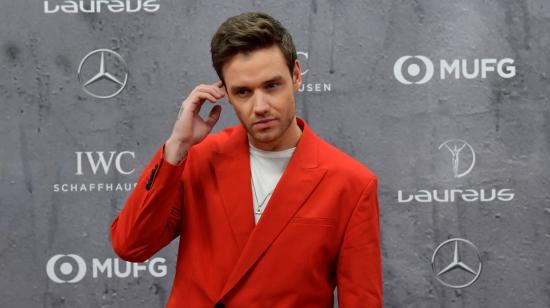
273	85
242	92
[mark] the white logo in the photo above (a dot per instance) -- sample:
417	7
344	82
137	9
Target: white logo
414	69
95	163
457	273
420	69
452	195
72	268
307	86
101	162
91	76
306	56
97	6
460	160
455	147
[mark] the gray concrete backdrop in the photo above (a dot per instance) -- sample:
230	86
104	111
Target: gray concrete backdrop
349	47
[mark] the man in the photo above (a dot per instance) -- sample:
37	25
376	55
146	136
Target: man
268	214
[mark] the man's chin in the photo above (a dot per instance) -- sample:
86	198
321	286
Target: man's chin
263	137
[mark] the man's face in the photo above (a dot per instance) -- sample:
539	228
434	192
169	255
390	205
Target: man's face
261	90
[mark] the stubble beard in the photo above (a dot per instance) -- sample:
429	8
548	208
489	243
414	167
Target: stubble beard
272	134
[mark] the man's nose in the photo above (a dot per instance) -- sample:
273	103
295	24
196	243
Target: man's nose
260	103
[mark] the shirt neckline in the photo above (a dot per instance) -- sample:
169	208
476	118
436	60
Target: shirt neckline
272	154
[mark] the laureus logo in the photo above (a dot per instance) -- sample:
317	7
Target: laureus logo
456	147
457	158
456	263
98	6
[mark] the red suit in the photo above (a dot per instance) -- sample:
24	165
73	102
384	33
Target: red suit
319	230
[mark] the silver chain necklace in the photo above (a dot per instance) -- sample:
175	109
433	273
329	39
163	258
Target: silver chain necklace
259	211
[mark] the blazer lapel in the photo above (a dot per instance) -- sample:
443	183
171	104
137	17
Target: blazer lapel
298	181
232	168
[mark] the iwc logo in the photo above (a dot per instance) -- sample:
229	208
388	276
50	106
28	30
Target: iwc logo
102	73
303	56
456	263
99	164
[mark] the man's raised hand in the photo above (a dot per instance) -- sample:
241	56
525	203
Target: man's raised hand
190	128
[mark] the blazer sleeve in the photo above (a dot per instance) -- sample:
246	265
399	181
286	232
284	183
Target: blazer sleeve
151	216
359	265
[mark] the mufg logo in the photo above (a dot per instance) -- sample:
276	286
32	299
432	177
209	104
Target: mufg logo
71	268
420	69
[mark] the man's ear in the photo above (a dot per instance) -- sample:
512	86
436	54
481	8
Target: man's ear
297	75
224	88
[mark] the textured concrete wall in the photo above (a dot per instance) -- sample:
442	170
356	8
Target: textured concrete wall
350	48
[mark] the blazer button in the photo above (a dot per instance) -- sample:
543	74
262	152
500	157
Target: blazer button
151	177
219	305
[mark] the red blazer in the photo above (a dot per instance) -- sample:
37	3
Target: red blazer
319	230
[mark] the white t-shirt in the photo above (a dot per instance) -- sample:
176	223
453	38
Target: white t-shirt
266	168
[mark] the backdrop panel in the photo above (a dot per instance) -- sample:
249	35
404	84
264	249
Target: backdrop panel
446	101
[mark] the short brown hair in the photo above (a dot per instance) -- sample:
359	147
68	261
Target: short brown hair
248	32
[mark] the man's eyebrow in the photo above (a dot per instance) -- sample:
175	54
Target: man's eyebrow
275	78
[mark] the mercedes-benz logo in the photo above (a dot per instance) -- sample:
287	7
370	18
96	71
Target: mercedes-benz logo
456	147
99	79
456	268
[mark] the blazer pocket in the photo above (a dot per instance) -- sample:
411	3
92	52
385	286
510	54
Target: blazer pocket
319	221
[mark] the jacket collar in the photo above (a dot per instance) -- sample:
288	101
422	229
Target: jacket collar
232	168
306	149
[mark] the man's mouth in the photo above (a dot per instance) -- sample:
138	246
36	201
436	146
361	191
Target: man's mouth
264	123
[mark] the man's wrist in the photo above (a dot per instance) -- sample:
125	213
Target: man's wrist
175	151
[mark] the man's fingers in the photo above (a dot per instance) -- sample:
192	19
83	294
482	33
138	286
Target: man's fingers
215	91
195	103
218	84
200	94
214	116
